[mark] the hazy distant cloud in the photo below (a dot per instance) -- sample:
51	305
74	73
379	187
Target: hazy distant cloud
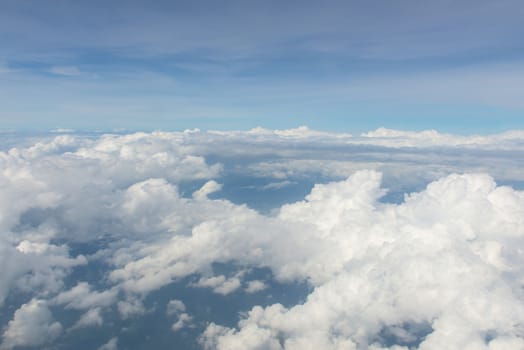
4	69
62	130
69	71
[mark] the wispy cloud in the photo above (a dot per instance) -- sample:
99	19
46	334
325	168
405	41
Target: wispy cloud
69	71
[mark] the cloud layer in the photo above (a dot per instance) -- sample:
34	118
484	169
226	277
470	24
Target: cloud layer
440	268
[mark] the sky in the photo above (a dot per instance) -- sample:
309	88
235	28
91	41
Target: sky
332	65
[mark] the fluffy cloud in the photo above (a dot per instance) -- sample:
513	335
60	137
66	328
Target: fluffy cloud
184	320
440	269
219	284
32	325
65	189
444	265
175	307
255	286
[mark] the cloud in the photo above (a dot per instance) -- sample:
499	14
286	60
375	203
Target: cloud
398	266
428	138
32	325
62	131
91	318
68	71
81	297
219	284
175	307
277	185
183	321
112	344
439	268
208	188
255	286
131	307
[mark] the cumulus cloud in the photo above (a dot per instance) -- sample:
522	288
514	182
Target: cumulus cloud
184	320
65	188
30	266
219	284
175	307
32	325
441	268
91	318
131	307
391	267
255	286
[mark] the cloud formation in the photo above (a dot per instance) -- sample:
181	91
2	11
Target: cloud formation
32	325
441	268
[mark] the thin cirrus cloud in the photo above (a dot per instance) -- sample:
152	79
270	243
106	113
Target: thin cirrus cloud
439	268
175	65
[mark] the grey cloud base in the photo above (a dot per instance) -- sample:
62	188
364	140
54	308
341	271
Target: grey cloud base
441	268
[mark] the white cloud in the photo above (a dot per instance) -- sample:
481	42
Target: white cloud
131	307
112	344
299	132
34	266
277	185
431	138
208	188
82	297
62	131
32	325
394	265
175	307
184	320
219	284
91	317
255	286
442	268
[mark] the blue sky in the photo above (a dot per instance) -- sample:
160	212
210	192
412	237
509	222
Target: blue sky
335	65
